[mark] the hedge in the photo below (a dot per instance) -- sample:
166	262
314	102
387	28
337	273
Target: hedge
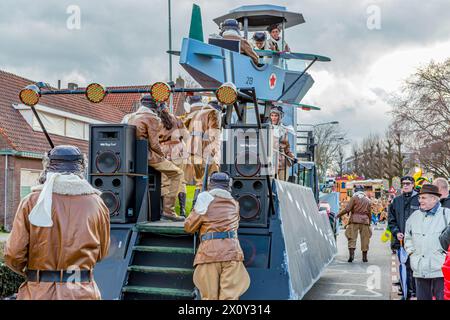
9	280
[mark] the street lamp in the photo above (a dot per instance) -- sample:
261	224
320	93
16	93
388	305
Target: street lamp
319	124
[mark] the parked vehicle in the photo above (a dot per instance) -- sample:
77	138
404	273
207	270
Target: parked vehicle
325	207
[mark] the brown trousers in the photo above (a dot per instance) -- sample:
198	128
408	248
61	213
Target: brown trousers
166	182
221	280
199	172
175	175
365	232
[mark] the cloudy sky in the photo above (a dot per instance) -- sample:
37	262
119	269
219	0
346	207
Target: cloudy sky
374	45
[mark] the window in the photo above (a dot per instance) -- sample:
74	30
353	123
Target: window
28	179
52	123
75	129
62	126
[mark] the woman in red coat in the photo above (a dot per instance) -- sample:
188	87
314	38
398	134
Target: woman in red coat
446	272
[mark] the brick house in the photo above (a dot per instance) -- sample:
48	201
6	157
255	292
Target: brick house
66	118
22	142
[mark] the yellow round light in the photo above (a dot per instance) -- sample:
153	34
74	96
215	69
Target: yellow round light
29	96
227	94
160	91
95	93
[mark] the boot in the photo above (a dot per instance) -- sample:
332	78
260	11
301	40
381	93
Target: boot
168	210
364	254
182	201
351	255
197	191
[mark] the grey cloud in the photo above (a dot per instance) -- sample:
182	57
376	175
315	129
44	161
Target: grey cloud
124	42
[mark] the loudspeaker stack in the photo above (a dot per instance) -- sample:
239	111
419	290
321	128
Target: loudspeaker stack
247	152
112	154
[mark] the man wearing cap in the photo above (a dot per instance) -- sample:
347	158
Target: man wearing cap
60	231
281	143
360	208
422	243
173	137
219	270
442	184
230	30
204	142
148	126
260	41
275	41
399	211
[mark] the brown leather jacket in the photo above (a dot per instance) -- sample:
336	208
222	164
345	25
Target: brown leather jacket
148	126
172	140
222	215
246	47
79	237
273	45
204	129
283	146
360	207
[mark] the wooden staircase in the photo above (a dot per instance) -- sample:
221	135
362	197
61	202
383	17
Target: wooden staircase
161	264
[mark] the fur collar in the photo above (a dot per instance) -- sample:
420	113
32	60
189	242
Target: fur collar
143	109
221	193
360	194
71	185
231	32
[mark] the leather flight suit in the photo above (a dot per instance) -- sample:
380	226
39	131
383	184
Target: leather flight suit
79	238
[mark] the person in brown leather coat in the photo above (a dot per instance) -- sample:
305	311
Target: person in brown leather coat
361	214
60	231
230	30
281	144
219	273
172	139
204	142
195	105
148	127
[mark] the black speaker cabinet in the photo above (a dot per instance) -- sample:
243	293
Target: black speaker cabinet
253	198
243	149
118	193
154	188
256	249
112	148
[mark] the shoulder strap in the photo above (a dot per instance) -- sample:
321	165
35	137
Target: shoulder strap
445	216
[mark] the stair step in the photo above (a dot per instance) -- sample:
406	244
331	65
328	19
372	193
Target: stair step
176	229
164	249
161	270
159	291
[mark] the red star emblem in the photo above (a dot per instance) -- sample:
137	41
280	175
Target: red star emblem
272	80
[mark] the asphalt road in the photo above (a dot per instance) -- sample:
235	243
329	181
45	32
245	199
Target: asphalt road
357	281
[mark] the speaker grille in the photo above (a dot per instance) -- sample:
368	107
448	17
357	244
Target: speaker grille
247	164
250	206
107	162
112	202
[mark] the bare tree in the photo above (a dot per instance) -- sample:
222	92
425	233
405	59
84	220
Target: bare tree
423	114
399	158
340	161
368	166
328	139
389	168
356	159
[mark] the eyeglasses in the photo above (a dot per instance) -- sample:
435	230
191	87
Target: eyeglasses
406	183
